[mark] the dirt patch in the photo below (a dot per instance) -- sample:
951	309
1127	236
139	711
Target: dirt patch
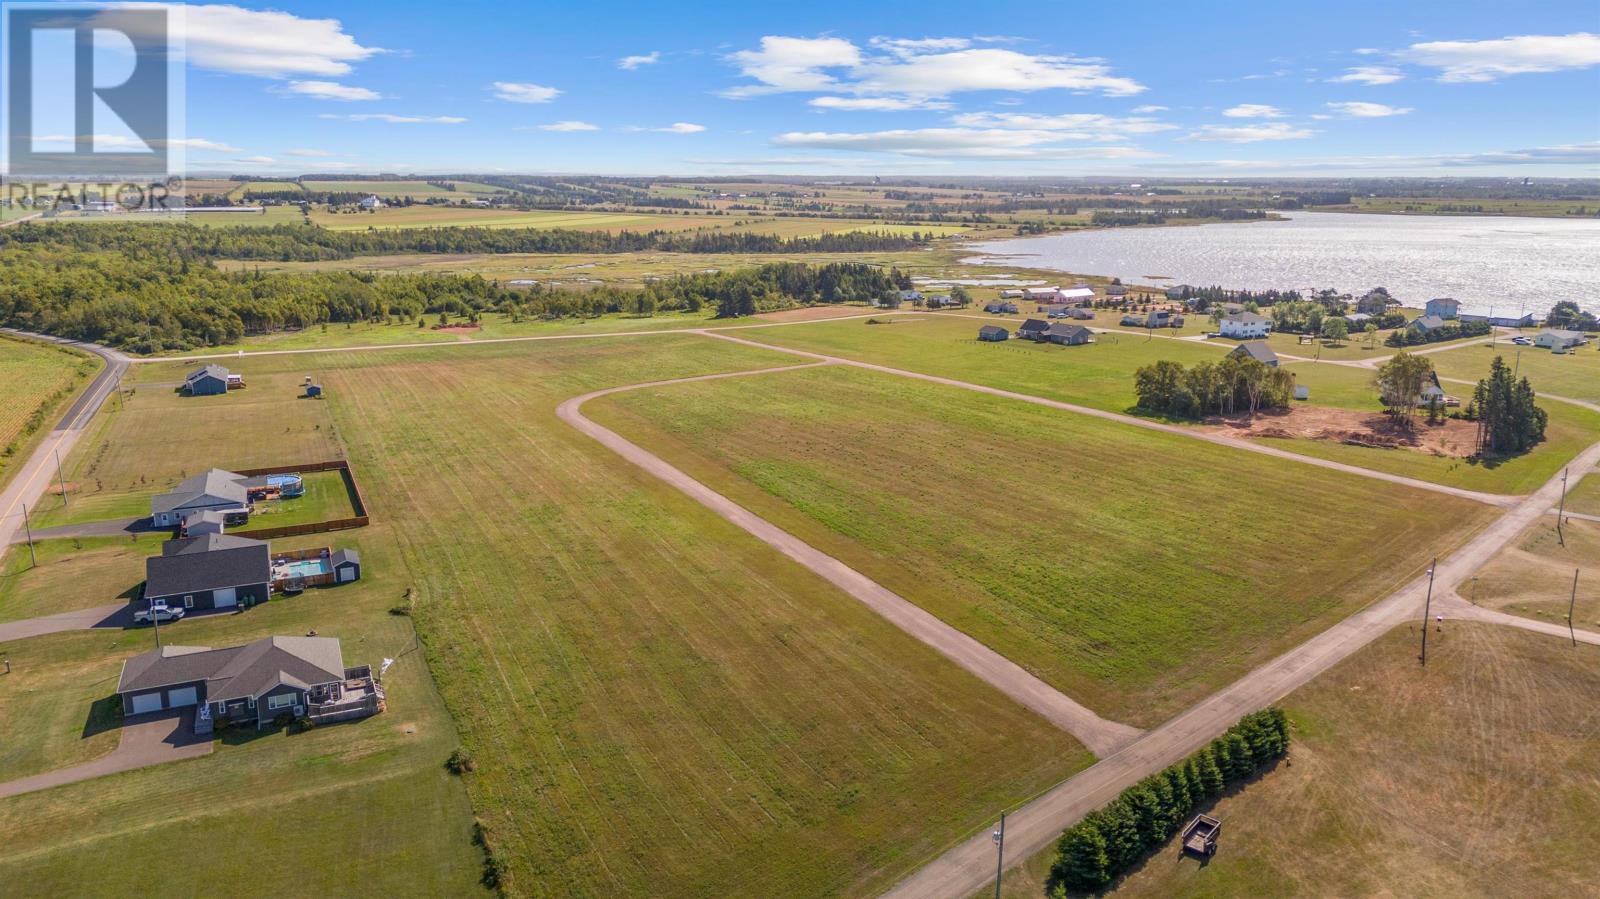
448	328
1450	437
809	313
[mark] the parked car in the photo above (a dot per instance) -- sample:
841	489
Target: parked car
158	611
1522	341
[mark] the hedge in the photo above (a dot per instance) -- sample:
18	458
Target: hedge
1098	849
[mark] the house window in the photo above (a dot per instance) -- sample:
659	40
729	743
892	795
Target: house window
188	602
275	703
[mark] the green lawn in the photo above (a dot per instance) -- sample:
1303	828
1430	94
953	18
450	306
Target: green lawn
1584	496
1575	374
1134	570
325	499
72	574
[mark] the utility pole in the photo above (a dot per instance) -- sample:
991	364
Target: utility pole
1427	610
1561	509
1572	607
62	478
156	622
999	854
32	560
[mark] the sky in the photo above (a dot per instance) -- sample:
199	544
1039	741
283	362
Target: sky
991	88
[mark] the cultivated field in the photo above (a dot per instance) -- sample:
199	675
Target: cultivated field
39	382
1031	528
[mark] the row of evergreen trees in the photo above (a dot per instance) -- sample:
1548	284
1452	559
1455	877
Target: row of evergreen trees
1508	420
1454	331
1098	849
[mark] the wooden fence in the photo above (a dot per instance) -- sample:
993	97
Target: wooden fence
353	487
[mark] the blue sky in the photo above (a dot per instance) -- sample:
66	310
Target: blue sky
927	88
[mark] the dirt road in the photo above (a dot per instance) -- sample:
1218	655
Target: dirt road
1101	736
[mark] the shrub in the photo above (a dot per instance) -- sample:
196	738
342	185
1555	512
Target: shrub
283	719
460	761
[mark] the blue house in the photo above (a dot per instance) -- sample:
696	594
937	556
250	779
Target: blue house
1444	307
209	380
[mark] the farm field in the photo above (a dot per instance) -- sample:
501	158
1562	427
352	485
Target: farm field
404	188
247	189
457	216
40	380
1472	779
1533	576
1028	527
352	807
267	217
657	702
1575	374
1474	206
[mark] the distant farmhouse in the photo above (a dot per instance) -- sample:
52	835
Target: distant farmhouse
211	380
371	202
1374	303
1257	350
1244	325
1444	307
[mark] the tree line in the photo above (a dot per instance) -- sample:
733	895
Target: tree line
1108	841
1211	388
1455	331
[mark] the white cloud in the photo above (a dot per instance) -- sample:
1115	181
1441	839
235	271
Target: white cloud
1253	111
330	90
124	141
307	153
914	69
1369	75
643	59
990	143
1145	110
256	160
1072	126
522	92
674	128
267	43
1249	134
570	125
1367	51
875	104
1477	61
1358	110
397	119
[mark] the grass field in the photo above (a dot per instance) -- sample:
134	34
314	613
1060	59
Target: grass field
1030	528
72	574
1533	577
247	189
1584	496
1472	778
457	216
40	380
421	190
1575	374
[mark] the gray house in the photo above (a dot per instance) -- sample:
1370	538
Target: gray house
215	571
208	380
1444	307
993	333
1034	329
199	524
1426	323
256	682
346	564
1257	350
215	490
1070	335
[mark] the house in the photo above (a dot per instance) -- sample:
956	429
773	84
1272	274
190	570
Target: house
940	301
1055	310
1244	325
199	524
1010	294
1374	303
1232	308
1001	308
1558	339
1502	321
1358	319
1177	291
993	333
1444	307
1069	335
346	564
218	490
1045	294
1257	350
1132	320
911	296
208	380
214	571
1116	290
1034	329
303	677
370	203
1077	296
1081	314
1161	318
1426	323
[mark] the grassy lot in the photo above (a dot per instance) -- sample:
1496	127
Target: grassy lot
1584	496
1353	349
246	189
657	702
134	449
40	380
72	574
1533	577
1575	374
351	809
1033	530
1472	778
325	499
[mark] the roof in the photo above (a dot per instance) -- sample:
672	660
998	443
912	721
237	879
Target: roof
221	484
213	516
214	370
1246	318
1562	333
1448	300
1428	322
341	556
209	562
1070	331
1034	324
1078	293
1257	350
236	672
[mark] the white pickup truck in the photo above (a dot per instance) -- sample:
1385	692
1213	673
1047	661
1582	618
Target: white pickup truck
157	611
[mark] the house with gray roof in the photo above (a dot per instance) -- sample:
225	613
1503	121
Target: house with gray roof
1034	329
993	333
1444	307
256	682
1244	325
213	571
207	380
1257	350
1426	323
1069	335
218	490
198	524
1559	339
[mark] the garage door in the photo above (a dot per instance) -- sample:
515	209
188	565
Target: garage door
146	702
228	596
183	697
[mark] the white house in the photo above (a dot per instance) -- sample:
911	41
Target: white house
1558	339
1075	295
1040	293
371	203
1245	325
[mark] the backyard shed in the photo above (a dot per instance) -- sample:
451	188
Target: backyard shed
346	565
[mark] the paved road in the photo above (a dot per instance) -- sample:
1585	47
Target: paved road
146	740
1191	433
114	527
1456	607
117	615
33	478
967	867
1101	736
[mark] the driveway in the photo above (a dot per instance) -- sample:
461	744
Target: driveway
115	527
146	740
117	614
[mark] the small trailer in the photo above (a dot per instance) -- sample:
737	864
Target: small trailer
1200	837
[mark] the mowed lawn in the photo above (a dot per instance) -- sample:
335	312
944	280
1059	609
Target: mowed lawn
38	381
363	808
1136	571
1533	576
658	703
1575	374
1478	776
65	575
1584	495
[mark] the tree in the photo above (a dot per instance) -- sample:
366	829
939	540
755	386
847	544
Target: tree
1509	421
1081	860
959	295
1160	388
1335	330
1399	382
1371	330
1211	779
